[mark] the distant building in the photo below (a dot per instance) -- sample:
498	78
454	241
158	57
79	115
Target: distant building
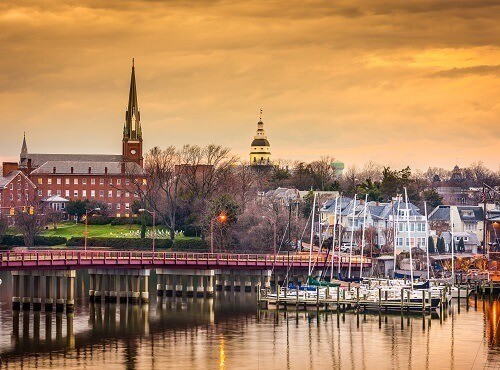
465	219
16	189
260	149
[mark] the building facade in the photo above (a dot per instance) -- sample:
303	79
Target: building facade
112	180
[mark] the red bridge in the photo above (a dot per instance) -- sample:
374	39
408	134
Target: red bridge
78	259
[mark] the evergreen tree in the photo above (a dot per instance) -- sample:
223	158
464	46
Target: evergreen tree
461	245
432	249
440	245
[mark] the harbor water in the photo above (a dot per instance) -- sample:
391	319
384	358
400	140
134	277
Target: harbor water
230	332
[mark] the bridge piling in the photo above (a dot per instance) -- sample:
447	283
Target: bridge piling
189	287
123	287
49	301
59	295
218	282
16	299
248	284
26	302
159	283
178	286
70	291
226	280
200	287
135	295
145	286
237	283
98	288
210	286
37	300
92	285
169	289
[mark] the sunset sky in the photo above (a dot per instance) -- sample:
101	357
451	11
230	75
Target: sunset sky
396	82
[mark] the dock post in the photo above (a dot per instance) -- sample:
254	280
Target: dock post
338	298
458	287
379	299
423	301
26	293
37	296
297	298
327	297
357	298
343	299
408	300
467	292
402	299
49	300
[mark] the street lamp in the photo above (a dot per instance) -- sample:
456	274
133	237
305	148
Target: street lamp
87	213
221	217
152	213
273	222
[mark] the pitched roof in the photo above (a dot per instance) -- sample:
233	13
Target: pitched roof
6	180
39	159
55	198
82	168
440	213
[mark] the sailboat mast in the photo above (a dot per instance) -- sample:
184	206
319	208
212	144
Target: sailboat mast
363	238
452	245
333	238
409	236
394	229
427	241
352	236
312	235
340	236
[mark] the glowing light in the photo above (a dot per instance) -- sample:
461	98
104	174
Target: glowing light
222	354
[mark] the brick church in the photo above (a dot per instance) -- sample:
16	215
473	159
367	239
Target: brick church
55	179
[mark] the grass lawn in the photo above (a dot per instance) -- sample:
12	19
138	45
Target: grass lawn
70	229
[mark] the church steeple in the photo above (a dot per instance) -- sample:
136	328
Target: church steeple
132	131
24	149
132	126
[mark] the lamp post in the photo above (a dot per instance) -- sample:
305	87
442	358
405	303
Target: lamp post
87	213
222	217
152	213
273	222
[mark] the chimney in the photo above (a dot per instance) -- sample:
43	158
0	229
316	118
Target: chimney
105	170
7	167
53	170
90	169
72	169
123	168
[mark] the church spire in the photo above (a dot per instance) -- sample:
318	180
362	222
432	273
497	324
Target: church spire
132	126
24	148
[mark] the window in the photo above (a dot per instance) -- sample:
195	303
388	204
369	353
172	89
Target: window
92	193
11	197
49	193
49	181
110	193
127	194
58	181
110	181
18	196
26	196
11	186
40	193
127	182
66	181
127	205
118	193
59	192
84	193
144	182
75	181
66	193
101	193
26	186
40	181
118	206
75	193
84	181
118	181
101	181
92	181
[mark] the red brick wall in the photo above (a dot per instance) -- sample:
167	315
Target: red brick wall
20	192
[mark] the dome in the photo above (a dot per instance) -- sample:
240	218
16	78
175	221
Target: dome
260	142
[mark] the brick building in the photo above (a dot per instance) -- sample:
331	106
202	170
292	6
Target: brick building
107	179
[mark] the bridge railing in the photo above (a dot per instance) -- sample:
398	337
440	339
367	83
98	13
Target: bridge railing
88	258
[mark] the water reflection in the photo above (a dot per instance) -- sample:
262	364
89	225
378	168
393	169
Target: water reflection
229	332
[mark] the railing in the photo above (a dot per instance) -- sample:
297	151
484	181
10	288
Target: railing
98	259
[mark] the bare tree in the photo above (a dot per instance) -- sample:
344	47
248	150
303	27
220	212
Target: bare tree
29	225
